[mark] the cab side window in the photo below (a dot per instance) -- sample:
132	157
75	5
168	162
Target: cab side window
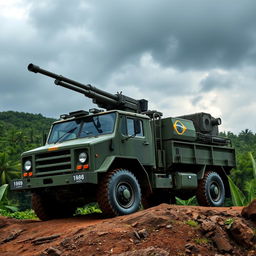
132	127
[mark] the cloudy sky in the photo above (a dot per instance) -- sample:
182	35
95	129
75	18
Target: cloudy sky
184	56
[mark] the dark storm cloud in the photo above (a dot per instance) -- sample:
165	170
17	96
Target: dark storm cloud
184	34
103	42
181	34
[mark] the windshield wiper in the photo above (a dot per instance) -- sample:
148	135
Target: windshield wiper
63	135
97	124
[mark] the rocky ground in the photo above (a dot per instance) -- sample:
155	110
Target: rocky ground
162	230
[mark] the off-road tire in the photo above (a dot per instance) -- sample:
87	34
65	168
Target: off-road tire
206	192
39	205
119	193
47	209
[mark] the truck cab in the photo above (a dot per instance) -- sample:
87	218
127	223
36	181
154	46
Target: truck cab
79	150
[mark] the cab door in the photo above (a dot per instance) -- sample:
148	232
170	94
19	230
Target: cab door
137	140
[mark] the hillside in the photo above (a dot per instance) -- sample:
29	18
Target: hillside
21	131
21	120
165	230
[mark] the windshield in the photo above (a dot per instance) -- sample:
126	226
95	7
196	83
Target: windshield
83	127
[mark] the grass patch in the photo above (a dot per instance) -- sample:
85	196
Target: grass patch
202	241
24	215
229	222
30	214
88	209
192	223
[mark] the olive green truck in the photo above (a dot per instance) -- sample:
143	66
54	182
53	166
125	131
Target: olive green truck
124	157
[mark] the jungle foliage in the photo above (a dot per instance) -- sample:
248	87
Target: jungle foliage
243	178
20	132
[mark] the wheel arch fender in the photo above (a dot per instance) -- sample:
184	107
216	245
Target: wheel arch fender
133	165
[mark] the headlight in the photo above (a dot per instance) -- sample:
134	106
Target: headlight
82	157
27	165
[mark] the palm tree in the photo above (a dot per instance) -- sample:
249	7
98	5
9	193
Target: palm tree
238	197
8	169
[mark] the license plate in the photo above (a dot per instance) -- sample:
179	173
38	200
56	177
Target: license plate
18	184
79	178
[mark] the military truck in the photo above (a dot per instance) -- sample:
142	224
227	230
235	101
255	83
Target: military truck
123	157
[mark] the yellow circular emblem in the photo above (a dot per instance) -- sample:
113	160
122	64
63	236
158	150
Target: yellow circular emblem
179	127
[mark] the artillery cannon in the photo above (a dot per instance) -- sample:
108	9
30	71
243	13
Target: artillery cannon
101	98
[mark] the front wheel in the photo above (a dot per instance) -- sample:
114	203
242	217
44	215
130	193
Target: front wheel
46	208
211	190
41	208
119	193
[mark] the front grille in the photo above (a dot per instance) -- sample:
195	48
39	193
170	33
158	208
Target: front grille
52	162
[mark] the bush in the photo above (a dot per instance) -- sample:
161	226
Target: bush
28	214
88	209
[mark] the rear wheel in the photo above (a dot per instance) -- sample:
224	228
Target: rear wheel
119	193
211	190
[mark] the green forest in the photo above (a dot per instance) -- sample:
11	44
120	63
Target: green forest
19	132
23	131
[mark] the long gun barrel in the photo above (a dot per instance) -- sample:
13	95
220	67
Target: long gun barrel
101	98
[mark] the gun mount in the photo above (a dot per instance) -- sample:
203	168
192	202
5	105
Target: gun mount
101	98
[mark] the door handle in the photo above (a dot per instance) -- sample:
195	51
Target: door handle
146	143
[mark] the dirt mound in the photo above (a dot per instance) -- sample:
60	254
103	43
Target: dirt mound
162	230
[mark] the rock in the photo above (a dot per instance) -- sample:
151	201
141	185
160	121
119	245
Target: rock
136	234
241	233
251	253
216	219
209	234
225	214
134	224
207	226
249	212
191	248
45	239
51	251
143	233
102	233
195	215
221	240
210	213
149	218
145	252
68	244
12	236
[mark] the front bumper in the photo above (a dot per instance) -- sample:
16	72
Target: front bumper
53	181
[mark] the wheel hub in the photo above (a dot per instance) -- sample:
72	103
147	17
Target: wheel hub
215	191
124	195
